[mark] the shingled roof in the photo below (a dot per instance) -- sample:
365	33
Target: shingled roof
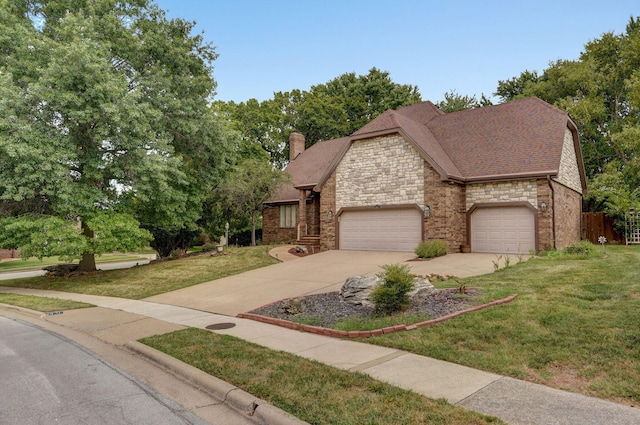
514	139
307	169
518	139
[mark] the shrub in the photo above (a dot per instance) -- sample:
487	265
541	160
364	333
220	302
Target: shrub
583	248
430	249
208	247
393	293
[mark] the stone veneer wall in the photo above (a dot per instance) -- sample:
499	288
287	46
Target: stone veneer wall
271	230
568	174
447	220
328	203
380	171
522	190
568	216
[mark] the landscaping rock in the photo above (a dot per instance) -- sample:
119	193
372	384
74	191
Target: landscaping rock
422	284
293	306
356	290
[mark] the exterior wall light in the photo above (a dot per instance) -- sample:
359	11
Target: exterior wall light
427	211
330	215
543	206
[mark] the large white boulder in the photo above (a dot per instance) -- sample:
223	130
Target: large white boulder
356	289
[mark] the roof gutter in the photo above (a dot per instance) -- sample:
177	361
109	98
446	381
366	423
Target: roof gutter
506	177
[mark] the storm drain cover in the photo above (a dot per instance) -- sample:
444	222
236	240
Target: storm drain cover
219	326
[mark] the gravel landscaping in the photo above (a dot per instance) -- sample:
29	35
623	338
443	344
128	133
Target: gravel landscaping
327	309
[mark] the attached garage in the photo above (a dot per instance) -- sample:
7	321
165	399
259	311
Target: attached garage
380	229
505	230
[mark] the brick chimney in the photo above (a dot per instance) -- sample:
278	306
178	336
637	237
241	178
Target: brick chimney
296	145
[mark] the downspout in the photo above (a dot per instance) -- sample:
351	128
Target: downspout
553	211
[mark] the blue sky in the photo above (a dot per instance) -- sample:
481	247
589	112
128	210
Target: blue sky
439	46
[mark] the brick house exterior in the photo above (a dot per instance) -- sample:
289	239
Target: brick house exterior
507	179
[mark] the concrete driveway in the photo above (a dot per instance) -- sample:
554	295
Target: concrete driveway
315	274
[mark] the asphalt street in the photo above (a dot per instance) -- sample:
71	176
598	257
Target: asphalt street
49	379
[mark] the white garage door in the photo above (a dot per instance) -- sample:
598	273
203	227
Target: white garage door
381	230
509	230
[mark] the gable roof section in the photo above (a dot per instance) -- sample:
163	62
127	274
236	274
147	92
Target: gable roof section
417	134
516	139
307	169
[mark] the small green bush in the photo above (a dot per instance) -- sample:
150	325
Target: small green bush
583	248
208	247
392	295
430	249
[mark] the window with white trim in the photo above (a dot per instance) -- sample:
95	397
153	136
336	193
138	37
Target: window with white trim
288	215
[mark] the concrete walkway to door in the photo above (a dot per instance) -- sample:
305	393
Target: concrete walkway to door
314	274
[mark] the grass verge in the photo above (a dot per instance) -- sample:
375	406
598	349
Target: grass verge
42	304
309	390
157	278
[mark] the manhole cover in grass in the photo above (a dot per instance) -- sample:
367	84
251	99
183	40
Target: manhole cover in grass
219	326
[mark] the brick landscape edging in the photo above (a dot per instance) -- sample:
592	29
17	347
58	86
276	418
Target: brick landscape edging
366	334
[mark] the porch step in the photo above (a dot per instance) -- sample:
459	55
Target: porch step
311	242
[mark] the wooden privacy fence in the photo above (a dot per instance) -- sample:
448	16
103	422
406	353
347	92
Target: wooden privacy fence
598	224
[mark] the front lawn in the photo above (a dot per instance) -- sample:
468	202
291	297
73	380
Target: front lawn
157	278
575	325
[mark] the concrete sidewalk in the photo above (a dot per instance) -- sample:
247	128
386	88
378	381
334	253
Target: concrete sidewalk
120	320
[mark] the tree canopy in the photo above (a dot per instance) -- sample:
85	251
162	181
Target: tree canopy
248	187
454	102
327	111
104	122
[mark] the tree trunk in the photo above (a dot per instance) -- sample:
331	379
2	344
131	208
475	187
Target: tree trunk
88	261
253	228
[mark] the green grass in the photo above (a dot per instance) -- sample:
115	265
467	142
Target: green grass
43	304
147	280
15	265
309	390
369	324
575	325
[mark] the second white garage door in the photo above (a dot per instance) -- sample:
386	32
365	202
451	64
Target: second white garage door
381	230
508	230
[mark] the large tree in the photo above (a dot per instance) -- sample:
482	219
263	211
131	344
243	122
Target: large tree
334	109
601	92
102	103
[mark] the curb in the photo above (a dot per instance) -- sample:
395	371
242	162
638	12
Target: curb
242	401
318	330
